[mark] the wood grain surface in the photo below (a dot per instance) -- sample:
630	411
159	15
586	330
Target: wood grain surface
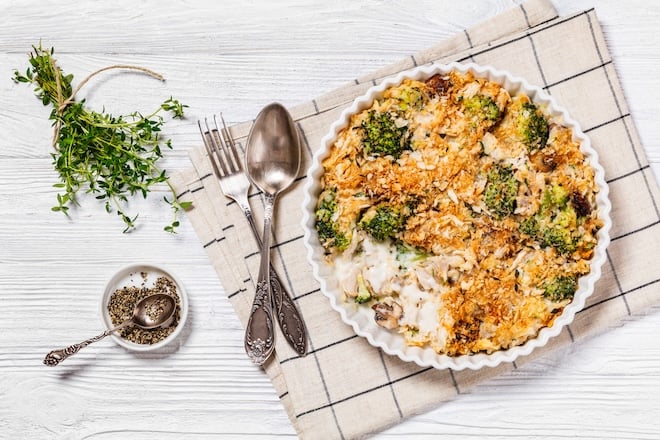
234	57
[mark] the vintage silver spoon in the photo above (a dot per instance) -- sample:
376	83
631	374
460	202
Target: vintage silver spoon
155	310
272	157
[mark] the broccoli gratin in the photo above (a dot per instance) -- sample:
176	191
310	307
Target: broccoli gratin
460	215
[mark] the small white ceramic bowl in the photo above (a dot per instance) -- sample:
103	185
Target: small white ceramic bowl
133	276
361	318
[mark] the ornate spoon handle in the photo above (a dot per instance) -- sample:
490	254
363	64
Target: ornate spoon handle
56	356
260	334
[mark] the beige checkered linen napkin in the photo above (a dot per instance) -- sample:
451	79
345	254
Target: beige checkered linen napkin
345	388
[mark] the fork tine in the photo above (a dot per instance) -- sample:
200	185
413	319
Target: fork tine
223	150
218	147
231	143
209	149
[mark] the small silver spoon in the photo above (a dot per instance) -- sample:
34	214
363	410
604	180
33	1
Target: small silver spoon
272	158
155	310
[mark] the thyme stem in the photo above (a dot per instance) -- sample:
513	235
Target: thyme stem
113	157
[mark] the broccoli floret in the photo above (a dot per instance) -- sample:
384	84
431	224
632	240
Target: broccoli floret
327	205
382	221
553	223
411	97
501	191
554	197
382	137
483	107
326	225
530	227
330	236
560	289
565	218
363	293
533	127
558	237
408	253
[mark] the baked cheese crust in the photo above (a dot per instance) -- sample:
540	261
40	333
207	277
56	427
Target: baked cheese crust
463	216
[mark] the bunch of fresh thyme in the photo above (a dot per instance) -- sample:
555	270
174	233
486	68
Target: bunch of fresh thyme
111	157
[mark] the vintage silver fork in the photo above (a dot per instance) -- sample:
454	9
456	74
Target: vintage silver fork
228	168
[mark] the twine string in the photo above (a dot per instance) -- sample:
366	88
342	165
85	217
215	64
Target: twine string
63	103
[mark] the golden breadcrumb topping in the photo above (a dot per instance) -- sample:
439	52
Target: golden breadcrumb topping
463	216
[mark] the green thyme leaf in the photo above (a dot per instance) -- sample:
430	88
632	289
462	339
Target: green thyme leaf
111	157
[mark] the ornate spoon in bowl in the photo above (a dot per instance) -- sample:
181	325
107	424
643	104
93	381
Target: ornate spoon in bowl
155	310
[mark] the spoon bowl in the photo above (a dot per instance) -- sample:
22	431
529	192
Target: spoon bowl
272	159
273	150
154	311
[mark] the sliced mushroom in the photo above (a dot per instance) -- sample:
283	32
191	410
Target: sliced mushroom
387	315
580	204
543	161
439	84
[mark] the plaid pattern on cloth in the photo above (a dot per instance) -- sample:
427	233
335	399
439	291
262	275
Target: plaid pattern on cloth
345	388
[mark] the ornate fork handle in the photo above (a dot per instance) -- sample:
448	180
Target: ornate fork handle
288	316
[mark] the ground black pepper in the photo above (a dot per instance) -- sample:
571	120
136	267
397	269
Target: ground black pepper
123	300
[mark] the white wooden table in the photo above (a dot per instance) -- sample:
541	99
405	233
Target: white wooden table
234	57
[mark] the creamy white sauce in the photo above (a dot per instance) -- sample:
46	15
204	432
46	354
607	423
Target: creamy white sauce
408	278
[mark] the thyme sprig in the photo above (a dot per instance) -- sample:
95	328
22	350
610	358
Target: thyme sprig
111	157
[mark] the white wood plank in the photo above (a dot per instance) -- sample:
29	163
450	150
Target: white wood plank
234	57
